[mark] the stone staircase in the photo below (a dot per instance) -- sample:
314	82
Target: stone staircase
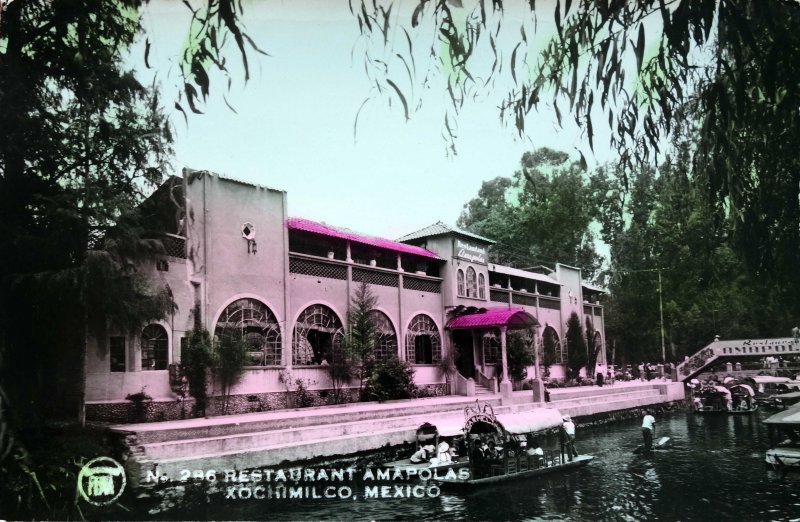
482	390
586	402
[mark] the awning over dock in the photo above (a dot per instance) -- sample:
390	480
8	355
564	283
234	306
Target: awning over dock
515	423
530	421
512	318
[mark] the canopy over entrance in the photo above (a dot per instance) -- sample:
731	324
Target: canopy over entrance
511	318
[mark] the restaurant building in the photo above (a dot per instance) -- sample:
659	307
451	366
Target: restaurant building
233	254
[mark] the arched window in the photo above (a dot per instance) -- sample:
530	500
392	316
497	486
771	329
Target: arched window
253	322
423	343
385	337
155	345
318	333
472	283
460	282
481	286
491	347
552	351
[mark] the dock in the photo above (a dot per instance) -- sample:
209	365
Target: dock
289	437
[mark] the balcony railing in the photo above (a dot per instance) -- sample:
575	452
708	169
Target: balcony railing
174	245
305	264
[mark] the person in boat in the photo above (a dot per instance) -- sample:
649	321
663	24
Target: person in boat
534	449
491	451
568	436
443	453
648	430
478	460
423	454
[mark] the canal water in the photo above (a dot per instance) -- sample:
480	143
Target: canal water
713	469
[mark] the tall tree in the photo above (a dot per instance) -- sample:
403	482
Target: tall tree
637	67
576	347
81	144
543	214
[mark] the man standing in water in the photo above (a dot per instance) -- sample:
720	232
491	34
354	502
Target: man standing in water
648	427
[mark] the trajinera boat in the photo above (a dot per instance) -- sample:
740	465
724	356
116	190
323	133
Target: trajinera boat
504	447
433	451
784	438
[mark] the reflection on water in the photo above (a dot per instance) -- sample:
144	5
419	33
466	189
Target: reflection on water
713	469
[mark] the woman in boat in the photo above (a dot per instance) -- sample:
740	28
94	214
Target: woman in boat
423	454
534	451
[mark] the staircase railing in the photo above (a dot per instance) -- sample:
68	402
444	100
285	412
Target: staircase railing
736	349
486	382
463	386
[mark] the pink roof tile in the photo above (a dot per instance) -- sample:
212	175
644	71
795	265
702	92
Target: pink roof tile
514	318
307	225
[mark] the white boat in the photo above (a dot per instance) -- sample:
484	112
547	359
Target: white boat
784	436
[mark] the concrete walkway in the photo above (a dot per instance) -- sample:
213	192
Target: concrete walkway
285	437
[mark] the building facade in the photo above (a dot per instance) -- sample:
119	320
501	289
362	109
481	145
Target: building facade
236	260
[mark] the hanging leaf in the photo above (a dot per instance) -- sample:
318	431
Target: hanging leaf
639	50
400	95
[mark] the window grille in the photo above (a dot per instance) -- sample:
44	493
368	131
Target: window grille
422	285
253	322
155	346
526	300
497	295
481	287
318	335
373	277
460	282
174	246
423	342
385	337
491	348
551	304
117	354
317	269
472	283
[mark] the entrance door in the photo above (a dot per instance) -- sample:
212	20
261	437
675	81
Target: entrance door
465	360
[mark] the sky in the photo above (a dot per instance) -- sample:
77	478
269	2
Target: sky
293	128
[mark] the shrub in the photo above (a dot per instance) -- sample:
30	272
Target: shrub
196	362
230	357
389	379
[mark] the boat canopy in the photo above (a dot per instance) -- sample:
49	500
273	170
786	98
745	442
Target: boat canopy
529	421
790	417
722	389
745	387
768	379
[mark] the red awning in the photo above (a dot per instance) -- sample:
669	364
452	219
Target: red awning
307	225
513	318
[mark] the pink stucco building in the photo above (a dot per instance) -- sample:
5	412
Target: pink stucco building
285	284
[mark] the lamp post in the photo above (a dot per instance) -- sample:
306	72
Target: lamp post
660	306
661	312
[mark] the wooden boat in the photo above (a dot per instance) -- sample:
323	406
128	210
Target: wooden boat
712	399
428	436
556	466
784	437
510	434
767	387
660	444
